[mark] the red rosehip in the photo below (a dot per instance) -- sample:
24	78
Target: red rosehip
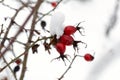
66	39
88	57
60	47
54	4
18	61
70	30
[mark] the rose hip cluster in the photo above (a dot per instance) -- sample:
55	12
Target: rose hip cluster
67	40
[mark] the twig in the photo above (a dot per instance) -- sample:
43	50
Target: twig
21	28
61	77
15	41
35	9
8	29
9	6
10	68
44	38
49	11
12	61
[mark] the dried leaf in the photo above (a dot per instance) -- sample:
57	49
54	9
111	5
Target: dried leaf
47	47
34	48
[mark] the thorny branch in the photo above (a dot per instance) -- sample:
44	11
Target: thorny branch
9	27
30	38
39	39
69	67
9	68
21	28
43	15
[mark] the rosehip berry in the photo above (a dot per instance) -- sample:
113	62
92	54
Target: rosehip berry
54	4
69	30
18	61
60	47
16	68
88	57
66	39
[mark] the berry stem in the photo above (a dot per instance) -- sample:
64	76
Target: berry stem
60	78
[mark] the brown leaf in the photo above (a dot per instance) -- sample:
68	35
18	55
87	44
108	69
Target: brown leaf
47	47
34	48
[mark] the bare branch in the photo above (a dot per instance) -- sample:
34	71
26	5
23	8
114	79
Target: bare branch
21	28
62	76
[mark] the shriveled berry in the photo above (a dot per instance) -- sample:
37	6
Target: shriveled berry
66	39
54	4
60	47
43	24
88	57
16	68
18	61
69	30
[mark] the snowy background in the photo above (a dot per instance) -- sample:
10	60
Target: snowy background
99	17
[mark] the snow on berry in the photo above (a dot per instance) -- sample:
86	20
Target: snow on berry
56	24
60	31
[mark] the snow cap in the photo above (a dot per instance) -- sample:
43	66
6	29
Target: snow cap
56	24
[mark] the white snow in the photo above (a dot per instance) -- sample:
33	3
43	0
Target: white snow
57	24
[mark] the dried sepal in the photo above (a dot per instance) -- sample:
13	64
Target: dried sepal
63	57
75	45
80	28
34	48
